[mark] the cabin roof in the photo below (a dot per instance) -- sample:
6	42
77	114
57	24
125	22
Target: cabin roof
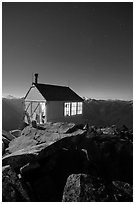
57	93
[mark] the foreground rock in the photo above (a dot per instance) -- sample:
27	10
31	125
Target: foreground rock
84	188
16	133
48	133
46	178
44	165
39	144
6	141
110	152
12	188
47	155
7	137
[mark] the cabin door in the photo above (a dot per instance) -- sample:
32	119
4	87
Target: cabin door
42	113
35	110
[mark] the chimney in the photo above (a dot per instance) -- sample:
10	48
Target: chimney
36	78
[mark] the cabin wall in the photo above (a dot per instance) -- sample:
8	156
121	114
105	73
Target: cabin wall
33	102
55	113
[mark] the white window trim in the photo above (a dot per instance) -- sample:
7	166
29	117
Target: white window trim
80	108
67	109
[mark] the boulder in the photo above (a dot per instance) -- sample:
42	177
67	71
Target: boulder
50	134
106	153
50	174
19	158
85	188
71	191
7	135
26	149
16	133
12	188
6	141
123	191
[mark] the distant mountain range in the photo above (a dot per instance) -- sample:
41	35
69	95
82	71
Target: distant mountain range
9	97
96	112
12	113
109	112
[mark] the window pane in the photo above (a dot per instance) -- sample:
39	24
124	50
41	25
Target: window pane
67	109
79	109
73	110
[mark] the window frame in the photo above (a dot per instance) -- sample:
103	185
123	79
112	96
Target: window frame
79	108
70	109
73	108
67	109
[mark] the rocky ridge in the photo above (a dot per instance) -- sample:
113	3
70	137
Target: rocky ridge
41	159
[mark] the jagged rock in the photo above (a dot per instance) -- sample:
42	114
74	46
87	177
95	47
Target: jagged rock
51	133
45	156
29	167
67	128
8	135
12	188
3	147
16	133
50	174
84	188
59	127
21	142
106	153
19	158
6	141
108	130
32	152
46	176
123	191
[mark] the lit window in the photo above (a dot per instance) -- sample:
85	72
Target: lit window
73	108
79	108
67	109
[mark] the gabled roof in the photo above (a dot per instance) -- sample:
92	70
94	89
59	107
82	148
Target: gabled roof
57	93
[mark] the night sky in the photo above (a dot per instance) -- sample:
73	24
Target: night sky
88	46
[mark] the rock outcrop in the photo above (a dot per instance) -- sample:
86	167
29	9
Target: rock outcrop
16	133
8	135
44	157
6	139
12	188
85	188
48	133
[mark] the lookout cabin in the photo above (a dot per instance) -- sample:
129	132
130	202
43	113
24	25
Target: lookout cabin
52	103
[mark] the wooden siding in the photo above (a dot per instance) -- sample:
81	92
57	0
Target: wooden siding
55	113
